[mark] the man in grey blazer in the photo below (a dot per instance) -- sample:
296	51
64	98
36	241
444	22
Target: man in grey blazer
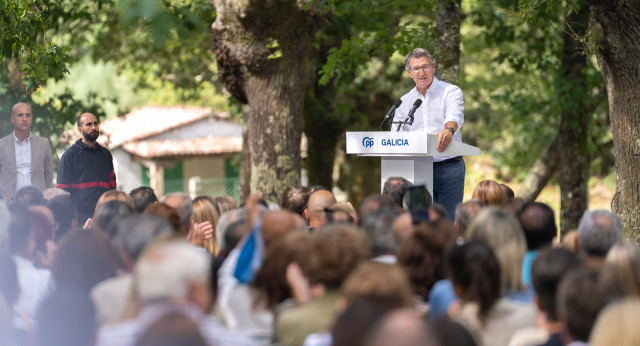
25	158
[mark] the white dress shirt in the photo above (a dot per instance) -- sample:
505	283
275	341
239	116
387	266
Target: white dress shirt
23	161
443	102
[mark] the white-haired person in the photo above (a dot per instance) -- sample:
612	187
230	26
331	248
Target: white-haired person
172	276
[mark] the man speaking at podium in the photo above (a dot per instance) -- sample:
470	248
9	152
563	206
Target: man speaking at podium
440	112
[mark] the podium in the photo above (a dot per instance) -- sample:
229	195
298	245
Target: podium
405	154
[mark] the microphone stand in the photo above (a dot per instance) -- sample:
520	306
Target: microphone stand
407	121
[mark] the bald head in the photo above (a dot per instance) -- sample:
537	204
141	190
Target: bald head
402	227
279	222
21	118
314	214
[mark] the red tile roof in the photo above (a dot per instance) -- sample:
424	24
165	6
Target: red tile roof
184	147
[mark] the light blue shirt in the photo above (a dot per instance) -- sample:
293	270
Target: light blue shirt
23	161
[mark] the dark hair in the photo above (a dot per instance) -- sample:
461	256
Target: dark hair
465	212
546	272
295	198
66	317
581	296
29	196
84	258
107	216
142	196
359	318
19	227
232	235
166	212
395	188
224	204
423	254
9	286
64	212
372	203
445	331
172	329
475	268
507	191
538	224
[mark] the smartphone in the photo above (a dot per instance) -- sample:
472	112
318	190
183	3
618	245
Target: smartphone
419	203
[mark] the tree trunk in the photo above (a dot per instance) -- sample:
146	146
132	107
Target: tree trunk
262	51
573	172
618	24
540	173
245	162
447	50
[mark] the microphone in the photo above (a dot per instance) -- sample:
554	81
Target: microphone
415	107
391	112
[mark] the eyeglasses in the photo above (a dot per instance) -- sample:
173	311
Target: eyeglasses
423	68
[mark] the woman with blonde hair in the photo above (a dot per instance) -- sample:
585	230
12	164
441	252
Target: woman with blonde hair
623	266
502	231
617	324
489	193
205	210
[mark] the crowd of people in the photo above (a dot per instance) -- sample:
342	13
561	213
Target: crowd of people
311	271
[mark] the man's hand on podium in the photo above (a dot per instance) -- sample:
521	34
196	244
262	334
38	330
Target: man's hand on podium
444	138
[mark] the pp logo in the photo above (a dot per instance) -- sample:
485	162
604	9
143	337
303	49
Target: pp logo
367	142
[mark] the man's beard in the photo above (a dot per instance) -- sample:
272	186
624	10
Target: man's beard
92	136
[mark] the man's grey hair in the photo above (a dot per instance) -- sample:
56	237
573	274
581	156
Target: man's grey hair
134	232
464	212
377	226
599	230
186	207
418	53
167	269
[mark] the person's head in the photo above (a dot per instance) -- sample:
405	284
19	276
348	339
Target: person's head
546	272
168	213
581	296
385	284
444	331
377	226
538	224
314	213
225	203
489	193
270	281
465	213
475	274
623	265
89	128
84	258
66	317
395	188
617	324
420	66
64	213
42	227
204	210
514	205
598	231
115	195
402	228
359	318
21	242
107	215
276	223
21	117
231	228
402	327
338	248
30	196
173	329
437	211
295	198
134	232
423	254
142	196
181	202
341	212
502	231
9	285
372	203
174	270
507	191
